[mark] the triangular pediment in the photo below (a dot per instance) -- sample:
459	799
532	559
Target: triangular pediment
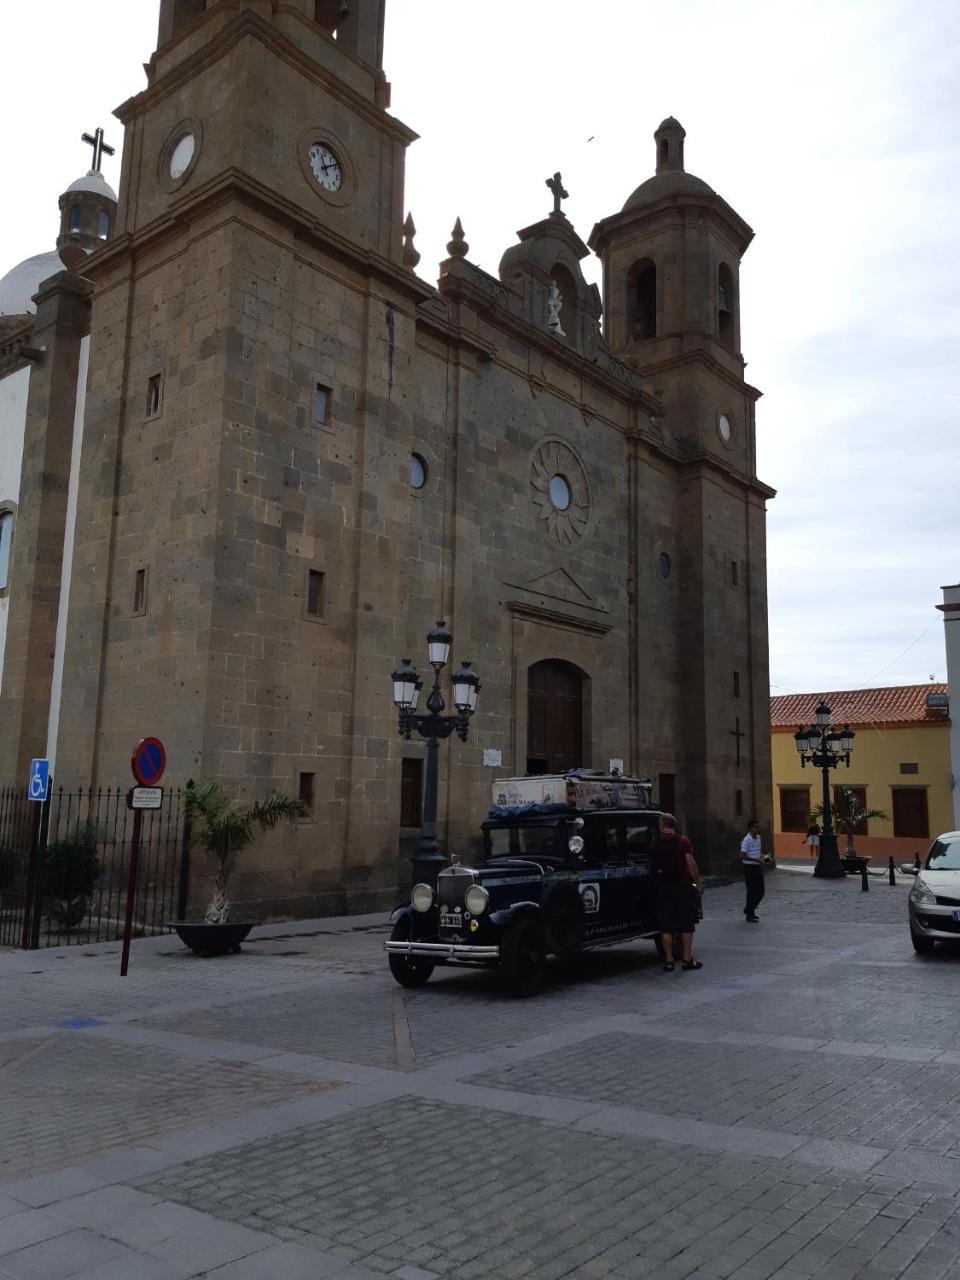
558	584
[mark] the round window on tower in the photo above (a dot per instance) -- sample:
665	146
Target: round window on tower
725	429
179	154
664	566
418	471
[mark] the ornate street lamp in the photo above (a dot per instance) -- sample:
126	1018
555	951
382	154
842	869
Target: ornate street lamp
825	749
433	725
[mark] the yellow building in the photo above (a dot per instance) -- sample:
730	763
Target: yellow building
900	765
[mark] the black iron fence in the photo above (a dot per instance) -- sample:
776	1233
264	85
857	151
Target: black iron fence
64	867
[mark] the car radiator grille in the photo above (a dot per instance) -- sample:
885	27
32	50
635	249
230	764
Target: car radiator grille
942	923
452	888
948	902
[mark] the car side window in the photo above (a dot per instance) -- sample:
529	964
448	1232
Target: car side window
638	842
616	850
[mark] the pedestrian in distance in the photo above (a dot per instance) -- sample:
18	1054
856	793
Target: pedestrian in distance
751	855
676	878
812	838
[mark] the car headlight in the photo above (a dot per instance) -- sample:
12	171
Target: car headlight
921	896
421	897
476	899
575	844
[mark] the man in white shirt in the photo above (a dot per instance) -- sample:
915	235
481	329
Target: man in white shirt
751	855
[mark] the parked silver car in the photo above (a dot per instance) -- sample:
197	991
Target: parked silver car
935	897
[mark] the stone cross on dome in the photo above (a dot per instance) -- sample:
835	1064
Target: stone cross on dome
100	148
556	186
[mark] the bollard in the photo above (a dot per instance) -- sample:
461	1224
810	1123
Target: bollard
893	872
916	861
864	879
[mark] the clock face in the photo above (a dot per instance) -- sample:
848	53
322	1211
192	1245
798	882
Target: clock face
326	167
723	426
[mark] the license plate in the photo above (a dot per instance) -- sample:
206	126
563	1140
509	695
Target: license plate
956	916
448	921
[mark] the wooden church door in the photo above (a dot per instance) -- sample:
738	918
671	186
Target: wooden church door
554	717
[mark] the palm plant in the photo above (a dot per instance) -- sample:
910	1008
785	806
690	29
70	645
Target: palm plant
848	814
224	828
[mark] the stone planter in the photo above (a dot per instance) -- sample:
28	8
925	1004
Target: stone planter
213	939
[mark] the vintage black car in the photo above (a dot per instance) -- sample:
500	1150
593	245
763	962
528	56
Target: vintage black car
550	883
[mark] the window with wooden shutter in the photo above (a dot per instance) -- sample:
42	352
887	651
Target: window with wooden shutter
794	808
910	812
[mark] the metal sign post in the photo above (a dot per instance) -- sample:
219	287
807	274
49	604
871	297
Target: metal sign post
148	763
38	792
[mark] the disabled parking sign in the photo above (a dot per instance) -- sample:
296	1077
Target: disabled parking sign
38	783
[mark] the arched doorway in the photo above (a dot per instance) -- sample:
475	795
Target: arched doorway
554	717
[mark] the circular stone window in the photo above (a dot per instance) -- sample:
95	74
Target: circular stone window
725	428
559	489
181	156
559	492
418	471
664	565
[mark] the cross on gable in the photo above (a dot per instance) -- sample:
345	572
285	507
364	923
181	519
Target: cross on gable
556	186
100	148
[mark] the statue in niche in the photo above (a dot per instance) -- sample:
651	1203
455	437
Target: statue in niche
554	307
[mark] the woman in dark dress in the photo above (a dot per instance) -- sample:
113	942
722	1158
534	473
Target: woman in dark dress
677	879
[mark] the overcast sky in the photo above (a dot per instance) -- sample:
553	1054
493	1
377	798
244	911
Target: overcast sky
832	126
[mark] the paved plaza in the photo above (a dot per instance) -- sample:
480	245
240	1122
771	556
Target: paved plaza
793	1110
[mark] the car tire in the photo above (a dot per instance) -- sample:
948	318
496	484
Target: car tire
409	971
523	956
923	946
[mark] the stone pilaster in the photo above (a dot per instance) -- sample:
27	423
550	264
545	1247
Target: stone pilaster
63	319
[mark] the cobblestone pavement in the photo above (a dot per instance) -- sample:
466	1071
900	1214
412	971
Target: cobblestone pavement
792	1110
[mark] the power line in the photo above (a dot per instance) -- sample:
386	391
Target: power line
911	645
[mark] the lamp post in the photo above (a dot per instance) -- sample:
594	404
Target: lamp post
825	748
433	725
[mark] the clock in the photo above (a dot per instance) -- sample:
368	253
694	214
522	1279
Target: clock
325	167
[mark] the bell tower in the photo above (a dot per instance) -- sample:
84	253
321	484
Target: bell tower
248	433
671	271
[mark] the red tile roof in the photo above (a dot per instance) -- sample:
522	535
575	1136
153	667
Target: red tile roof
902	704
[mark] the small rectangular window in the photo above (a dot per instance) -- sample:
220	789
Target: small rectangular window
321	404
154	395
736	684
315	593
411	792
140	592
910	767
794	808
734	574
306	792
739	805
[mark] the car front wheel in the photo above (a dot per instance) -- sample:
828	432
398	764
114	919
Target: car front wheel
923	946
524	957
409	971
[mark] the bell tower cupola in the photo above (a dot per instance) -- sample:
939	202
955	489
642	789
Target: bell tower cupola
671	285
669	139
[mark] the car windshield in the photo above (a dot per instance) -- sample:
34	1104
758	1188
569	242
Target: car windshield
524	842
944	855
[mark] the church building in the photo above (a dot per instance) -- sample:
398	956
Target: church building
249	456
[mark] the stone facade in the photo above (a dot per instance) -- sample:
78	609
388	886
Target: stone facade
263	364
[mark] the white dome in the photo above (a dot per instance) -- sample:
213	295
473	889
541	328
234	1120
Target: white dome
96	183
20	284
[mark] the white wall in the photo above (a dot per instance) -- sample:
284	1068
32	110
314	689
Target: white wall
951	636
56	691
13	417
